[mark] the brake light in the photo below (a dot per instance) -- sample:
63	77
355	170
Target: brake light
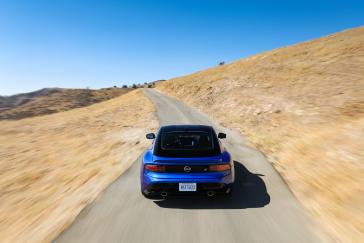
222	167
155	168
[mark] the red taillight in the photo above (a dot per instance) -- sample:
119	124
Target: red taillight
155	168
222	167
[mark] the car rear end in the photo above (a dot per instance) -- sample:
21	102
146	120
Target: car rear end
203	168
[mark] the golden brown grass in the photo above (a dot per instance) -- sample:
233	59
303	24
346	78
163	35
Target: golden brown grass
302	105
56	100
325	167
52	166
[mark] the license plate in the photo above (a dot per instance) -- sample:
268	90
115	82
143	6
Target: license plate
187	187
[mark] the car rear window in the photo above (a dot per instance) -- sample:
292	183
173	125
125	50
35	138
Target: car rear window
186	141
187	144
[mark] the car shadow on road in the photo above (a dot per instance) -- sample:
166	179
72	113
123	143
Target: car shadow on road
249	191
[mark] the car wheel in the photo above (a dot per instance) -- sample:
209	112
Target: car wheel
149	196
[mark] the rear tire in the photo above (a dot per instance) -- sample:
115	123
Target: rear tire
149	196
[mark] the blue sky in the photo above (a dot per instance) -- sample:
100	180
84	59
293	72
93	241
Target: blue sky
73	43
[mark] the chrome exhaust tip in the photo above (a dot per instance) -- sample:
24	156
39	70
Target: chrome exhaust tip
164	194
210	193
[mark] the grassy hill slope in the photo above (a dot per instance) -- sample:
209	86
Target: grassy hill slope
303	105
47	101
52	166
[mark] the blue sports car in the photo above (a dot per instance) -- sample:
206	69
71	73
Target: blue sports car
186	158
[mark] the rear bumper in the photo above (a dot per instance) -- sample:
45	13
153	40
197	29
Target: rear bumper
153	182
157	188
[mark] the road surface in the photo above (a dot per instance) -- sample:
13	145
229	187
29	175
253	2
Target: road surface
261	209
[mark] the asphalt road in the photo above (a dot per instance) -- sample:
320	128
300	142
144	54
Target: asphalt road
261	209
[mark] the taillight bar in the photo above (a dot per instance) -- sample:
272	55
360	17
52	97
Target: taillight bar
155	168
221	167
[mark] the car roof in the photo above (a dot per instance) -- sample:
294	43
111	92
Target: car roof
175	128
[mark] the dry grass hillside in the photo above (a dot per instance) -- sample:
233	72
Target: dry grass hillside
52	166
47	101
303	105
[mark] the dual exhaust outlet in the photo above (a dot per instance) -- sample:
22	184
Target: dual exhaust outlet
164	194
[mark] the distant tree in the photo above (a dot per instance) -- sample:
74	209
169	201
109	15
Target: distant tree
150	85
221	63
115	86
124	86
134	86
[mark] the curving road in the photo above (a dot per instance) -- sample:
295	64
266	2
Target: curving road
261	209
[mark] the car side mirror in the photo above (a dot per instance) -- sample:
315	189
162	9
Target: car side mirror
221	135
150	136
